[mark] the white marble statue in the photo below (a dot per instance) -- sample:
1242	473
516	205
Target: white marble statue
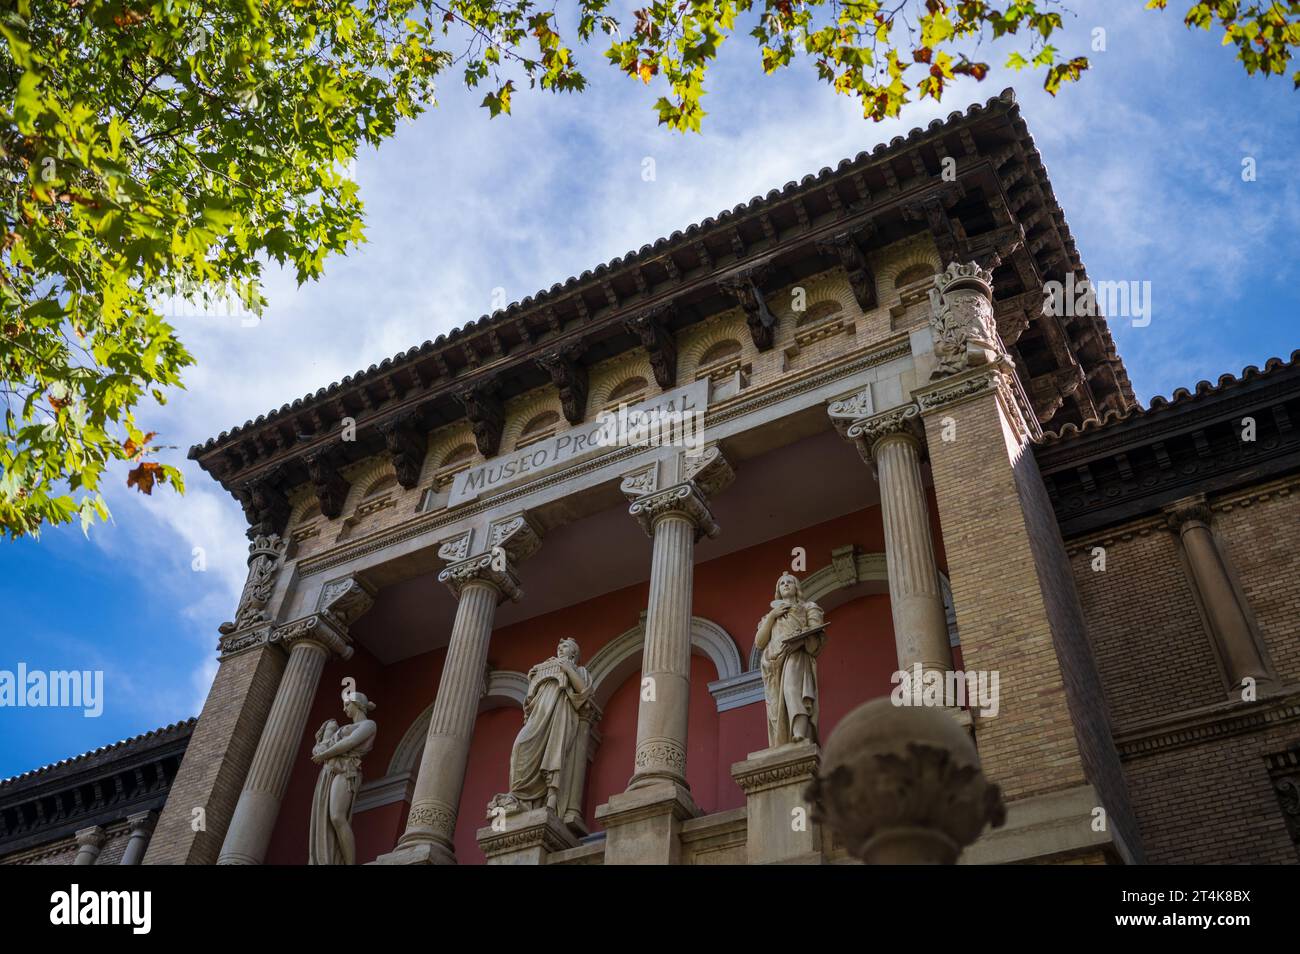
544	756
790	637
338	751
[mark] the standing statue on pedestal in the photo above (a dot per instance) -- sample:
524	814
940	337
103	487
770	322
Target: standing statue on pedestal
542	761
338	750
790	637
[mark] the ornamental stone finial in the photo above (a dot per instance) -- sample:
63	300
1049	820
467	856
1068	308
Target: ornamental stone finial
961	319
903	785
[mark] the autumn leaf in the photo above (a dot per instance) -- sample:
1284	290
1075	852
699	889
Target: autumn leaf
143	476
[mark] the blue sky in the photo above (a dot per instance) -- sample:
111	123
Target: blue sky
1145	155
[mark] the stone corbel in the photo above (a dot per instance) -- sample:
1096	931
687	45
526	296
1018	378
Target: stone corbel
517	535
843	249
746	289
651	329
331	486
569	376
844	563
457	548
642	481
407	444
265	506
344	600
486	415
854	407
319	628
932	209
709	471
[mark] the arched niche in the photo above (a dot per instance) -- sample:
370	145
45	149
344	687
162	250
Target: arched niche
621	656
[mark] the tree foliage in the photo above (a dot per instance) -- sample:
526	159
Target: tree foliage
156	147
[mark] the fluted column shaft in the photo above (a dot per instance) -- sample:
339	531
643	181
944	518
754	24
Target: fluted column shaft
436	799
259	802
1231	629
141	828
920	622
664	709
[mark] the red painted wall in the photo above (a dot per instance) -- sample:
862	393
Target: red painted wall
732	591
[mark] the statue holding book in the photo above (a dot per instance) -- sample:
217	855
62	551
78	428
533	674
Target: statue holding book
790	637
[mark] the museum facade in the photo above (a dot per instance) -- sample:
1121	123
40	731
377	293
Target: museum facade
595	575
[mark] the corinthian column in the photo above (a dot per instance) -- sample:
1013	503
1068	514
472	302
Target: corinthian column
920	622
1229	626
675	518
310	640
643	823
480	583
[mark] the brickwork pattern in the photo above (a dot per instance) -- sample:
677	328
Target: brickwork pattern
217	759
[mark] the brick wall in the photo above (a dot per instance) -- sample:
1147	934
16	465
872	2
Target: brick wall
217	759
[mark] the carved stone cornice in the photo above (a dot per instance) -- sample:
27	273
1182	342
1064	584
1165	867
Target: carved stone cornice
757	776
569	376
537	829
244	640
330	484
486	415
651	329
318	628
680	500
1208	724
492	568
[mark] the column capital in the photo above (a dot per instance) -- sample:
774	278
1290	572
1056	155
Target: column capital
903	421
997	378
680	500
321	629
92	837
1188	512
142	821
492	568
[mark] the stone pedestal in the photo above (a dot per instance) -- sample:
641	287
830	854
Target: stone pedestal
643	825
780	828
526	838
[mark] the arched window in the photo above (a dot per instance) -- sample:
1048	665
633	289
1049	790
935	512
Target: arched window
379	486
818	311
538	428
462	454
913	274
630	391
720	353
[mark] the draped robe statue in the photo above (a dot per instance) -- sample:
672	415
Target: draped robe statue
790	637
543	759
338	751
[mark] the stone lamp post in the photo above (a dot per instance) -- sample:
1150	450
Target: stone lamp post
903	785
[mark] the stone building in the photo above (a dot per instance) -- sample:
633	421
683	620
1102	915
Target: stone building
959	478
98	808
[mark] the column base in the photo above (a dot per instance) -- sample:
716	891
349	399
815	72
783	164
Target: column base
527	838
643	825
780	829
419	853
